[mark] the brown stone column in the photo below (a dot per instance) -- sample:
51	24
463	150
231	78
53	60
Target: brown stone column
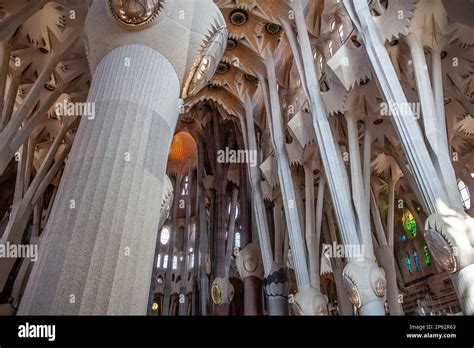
253	296
250	266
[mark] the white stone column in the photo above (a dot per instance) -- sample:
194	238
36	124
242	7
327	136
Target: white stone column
405	123
434	119
96	256
355	274
272	106
257	201
310	230
308	300
462	282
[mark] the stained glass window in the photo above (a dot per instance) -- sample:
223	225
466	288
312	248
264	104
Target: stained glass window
408	262
237	240
426	255
409	223
175	262
158	262
165	235
185	190
417	261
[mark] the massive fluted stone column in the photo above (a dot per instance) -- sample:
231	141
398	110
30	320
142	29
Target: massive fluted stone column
96	256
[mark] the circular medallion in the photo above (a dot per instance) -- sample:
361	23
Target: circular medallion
222	68
441	250
216	294
352	291
238	17
380	286
134	13
231	44
272	28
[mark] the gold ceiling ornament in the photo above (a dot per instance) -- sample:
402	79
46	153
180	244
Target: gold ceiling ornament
183	153
135	14
183	147
206	63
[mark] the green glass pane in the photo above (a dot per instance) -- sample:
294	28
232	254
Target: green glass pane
409	223
426	255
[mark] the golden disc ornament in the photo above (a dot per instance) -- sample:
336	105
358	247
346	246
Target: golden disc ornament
134	14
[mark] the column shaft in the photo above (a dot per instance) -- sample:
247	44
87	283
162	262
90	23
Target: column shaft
96	256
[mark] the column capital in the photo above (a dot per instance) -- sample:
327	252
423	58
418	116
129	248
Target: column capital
277	283
222	291
249	261
448	237
193	47
364	283
310	301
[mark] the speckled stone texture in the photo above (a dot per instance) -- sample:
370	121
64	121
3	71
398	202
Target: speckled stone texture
97	257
